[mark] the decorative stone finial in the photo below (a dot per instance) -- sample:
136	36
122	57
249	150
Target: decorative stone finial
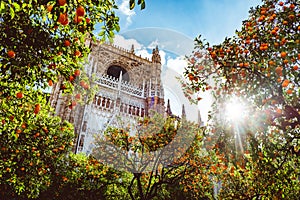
168	111
183	114
132	49
155	55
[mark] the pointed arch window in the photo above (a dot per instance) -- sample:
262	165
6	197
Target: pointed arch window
115	71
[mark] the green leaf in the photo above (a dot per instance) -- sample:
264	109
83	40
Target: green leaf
17	7
143	5
131	4
12	12
2	6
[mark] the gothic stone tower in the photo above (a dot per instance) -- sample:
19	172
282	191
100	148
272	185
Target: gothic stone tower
129	86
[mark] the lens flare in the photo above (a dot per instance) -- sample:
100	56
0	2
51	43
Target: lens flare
235	109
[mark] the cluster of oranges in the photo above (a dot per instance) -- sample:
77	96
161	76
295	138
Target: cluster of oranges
63	17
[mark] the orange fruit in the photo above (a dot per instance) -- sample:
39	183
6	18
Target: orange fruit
62	2
71	78
63	19
11	54
77	72
77	96
19	95
50	83
292	6
291	17
66	22
78	19
37	108
279	80
80	11
49	8
278	70
289	91
271	62
67	43
285	83
283	54
77	53
295	67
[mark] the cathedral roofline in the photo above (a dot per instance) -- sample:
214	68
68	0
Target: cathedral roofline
122	51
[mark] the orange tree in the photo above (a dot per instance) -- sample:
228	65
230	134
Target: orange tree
161	155
259	67
41	42
82	177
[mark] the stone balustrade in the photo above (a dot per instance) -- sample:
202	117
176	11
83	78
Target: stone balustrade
108	104
125	87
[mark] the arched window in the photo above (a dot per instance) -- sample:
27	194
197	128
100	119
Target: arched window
115	71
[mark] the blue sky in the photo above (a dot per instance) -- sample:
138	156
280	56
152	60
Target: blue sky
172	25
213	19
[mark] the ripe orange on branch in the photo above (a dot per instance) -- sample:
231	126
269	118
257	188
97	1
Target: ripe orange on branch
37	108
289	91
80	11
50	83
49	8
285	83
63	19
283	54
77	53
77	72
78	19
278	71
67	43
62	2
77	96
11	54
19	95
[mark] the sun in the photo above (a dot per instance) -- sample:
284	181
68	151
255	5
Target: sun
235	110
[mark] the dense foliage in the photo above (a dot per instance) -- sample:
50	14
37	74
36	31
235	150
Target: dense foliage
254	156
258	69
40	43
163	156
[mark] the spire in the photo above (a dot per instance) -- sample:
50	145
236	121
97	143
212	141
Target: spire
155	55
183	114
200	122
168	111
132	49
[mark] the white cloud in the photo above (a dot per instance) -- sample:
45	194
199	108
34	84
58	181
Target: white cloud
178	64
126	43
124	9
155	43
144	53
139	49
163	57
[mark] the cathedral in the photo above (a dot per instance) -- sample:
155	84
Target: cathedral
129	86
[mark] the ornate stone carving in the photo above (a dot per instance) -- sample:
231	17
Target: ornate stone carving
115	96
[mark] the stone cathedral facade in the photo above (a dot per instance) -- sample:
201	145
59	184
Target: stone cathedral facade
129	86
